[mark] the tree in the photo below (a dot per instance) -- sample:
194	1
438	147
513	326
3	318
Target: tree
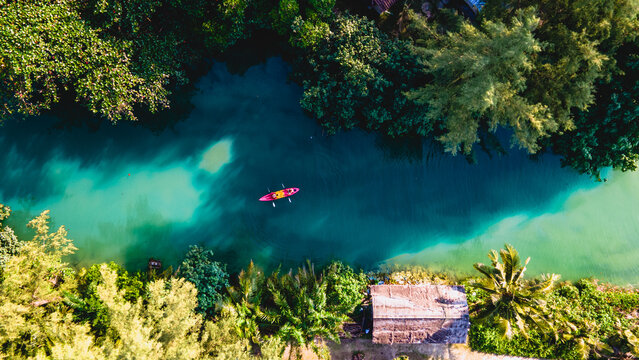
512	303
47	49
32	315
580	39
607	133
165	326
345	289
155	323
209	277
244	300
85	301
478	79
283	15
297	306
304	22
221	341
358	76
233	20
9	243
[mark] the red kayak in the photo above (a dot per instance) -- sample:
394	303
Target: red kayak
280	194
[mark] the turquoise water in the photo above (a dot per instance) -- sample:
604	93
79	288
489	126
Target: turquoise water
127	192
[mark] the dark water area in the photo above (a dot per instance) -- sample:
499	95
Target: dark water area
130	191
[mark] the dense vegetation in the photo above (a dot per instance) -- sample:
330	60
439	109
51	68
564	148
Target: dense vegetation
560	75
50	309
538	318
535	318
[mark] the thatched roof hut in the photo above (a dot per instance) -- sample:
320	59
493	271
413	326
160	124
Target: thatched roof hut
411	314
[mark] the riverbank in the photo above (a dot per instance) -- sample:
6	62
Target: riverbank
509	314
364	349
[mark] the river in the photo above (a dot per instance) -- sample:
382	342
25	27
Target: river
127	192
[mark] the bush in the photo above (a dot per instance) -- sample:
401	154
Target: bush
598	317
88	306
209	277
345	288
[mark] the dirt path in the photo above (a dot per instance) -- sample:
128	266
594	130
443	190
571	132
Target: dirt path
349	347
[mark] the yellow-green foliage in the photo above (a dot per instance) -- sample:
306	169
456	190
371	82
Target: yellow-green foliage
479	74
9	243
31	314
411	274
165	328
221	341
47	48
35	322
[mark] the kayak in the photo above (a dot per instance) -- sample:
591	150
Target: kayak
280	194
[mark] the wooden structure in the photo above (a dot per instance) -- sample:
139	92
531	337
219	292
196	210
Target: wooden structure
155	264
382	5
412	314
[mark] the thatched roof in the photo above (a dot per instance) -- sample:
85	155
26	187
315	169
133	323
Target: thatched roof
382	5
419	314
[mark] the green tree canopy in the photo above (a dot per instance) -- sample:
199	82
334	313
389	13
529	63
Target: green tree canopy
32	314
304	22
85	301
345	289
297	307
478	78
209	277
358	76
580	40
47	49
9	243
512	302
607	134
245	299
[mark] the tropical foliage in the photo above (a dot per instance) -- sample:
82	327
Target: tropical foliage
345	289
49	50
470	86
607	133
600	318
48	310
9	243
512	302
209	277
45	311
32	315
298	308
86	303
558	74
358	76
244	300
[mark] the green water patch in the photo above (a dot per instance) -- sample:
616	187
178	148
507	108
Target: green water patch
216	156
586	232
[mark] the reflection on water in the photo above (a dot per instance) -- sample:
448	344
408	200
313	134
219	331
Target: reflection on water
127	193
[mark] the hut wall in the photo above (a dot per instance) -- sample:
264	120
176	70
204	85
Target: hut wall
417	331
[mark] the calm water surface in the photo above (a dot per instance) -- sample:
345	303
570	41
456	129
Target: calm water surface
126	192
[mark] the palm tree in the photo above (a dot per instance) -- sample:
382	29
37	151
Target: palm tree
512	301
297	306
245	300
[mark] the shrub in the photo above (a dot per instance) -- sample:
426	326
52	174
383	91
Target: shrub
209	277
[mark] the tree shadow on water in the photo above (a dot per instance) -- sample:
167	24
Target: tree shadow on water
255	50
